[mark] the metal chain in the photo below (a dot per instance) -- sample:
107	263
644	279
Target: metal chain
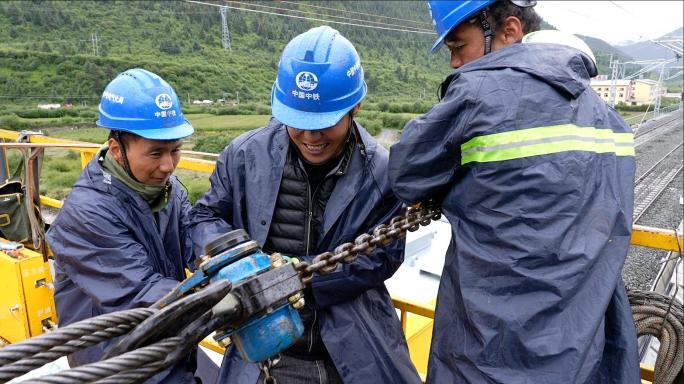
266	366
382	235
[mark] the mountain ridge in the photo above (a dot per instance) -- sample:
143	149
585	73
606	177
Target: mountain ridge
47	48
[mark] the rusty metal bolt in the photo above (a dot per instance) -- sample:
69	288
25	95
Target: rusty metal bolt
201	260
294	298
224	342
277	260
299	304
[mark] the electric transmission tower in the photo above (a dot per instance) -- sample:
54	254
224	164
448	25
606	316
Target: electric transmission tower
674	44
96	48
225	33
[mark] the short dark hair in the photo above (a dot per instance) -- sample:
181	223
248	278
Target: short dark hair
121	136
501	9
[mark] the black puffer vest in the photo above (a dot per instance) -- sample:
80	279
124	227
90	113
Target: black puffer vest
296	227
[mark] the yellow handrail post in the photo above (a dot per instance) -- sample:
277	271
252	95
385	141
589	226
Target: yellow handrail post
85	158
403	320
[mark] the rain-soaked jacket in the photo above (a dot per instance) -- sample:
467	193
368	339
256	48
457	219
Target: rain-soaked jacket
358	323
536	176
112	254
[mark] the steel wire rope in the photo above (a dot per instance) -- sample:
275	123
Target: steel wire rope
661	316
191	335
359	13
143	362
327	15
311	18
23	357
154	354
669	330
170	318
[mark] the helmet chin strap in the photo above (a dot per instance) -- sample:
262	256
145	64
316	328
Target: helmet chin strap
126	165
487	30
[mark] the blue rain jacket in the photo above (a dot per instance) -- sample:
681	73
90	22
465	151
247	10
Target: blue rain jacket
358	322
531	290
111	254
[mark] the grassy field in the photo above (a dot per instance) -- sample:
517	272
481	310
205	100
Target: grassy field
205	124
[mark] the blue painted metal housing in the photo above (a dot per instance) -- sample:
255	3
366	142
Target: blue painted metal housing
243	268
268	335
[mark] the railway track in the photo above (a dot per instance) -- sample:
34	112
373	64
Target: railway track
656	128
653	182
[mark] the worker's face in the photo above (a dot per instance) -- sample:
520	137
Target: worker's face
467	42
321	145
152	162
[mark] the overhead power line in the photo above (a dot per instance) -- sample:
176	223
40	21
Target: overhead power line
312	18
675	75
358	13
331	16
662	43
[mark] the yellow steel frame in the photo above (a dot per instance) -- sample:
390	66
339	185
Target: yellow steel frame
26	295
415	317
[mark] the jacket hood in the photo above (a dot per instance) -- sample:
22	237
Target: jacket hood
566	69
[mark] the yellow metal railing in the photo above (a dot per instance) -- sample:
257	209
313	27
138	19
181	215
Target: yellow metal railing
641	236
87	151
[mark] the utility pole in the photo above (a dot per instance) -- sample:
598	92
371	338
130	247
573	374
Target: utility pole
93	39
658	91
613	80
225	33
237	96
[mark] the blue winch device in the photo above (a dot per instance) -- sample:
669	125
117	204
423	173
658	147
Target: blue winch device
266	289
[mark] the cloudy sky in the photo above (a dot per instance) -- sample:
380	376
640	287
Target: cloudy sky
614	21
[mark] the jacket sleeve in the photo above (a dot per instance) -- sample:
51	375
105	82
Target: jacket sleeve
103	256
185	235
369	270
426	160
212	214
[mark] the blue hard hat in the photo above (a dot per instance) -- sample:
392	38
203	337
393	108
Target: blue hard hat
140	102
319	80
447	15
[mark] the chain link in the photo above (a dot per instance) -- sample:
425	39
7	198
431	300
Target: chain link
382	235
266	366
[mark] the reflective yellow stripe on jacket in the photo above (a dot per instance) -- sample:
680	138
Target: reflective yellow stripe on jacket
544	141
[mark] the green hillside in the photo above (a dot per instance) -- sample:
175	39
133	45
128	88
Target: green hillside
47	51
48	55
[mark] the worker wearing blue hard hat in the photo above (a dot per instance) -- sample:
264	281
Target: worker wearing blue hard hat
309	181
535	173
121	239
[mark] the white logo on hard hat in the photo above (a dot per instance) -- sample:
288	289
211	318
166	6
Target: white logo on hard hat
164	101
306	81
